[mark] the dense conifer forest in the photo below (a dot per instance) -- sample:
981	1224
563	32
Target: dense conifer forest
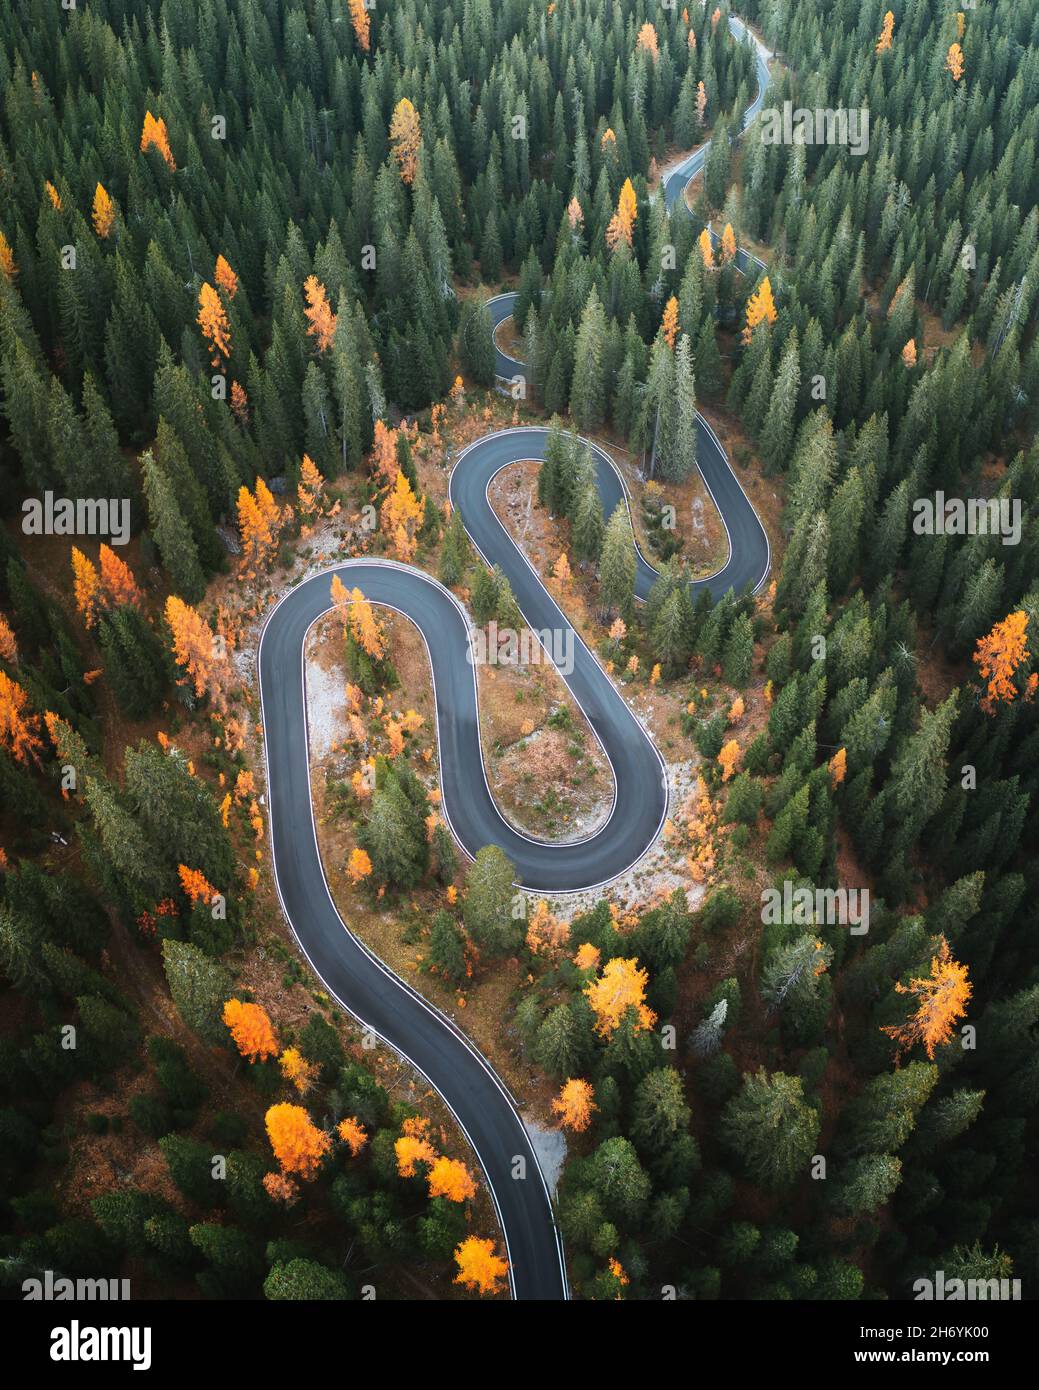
247	253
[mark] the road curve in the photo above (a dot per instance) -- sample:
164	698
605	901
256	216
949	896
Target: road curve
360	983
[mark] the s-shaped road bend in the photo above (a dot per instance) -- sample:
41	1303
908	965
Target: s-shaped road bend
362	984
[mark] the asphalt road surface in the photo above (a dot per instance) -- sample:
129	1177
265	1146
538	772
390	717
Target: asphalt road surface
362	984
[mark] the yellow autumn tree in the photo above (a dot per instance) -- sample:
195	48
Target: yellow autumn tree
621	986
450	1178
359	865
361	24
102	213
406	138
909	354
308	490
954	61
53	194
154	135
226	279
193	647
7	261
117	582
647	41
320	319
761	308
358	619
941	1001
353	1134
251	1030
259	521
86	587
729	759
479	1266
887	29
298	1144
401	518
213	321
19	727
8	642
706	249
838	767
622	223
728	244
574	1105
998	656
296	1069
669	323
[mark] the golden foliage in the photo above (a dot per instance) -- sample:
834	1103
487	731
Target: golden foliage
669	323
954	61
102	213
574	1105
19	728
998	657
155	135
353	1134
7	261
941	1002
213	321
621	986
450	1178
225	278
622	223
761	308
251	1030
298	1144
406	138
886	31
479	1267
319	315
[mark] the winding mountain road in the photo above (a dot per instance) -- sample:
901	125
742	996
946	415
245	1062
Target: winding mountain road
362	984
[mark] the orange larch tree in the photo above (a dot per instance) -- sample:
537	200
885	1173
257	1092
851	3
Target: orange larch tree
909	353
7	261
193	647
117	582
196	886
308	489
669	323
647	41
298	1144
942	1000
8	642
838	767
359	866
53	194
574	1105
410	1150
622	223
729	759
86	587
761	308
706	249
320	318
954	61
728	244
886	31
401	518
213	321
999	656
353	1134
479	1267
295	1068
259	521
622	985
361	23
102	213
450	1178
251	1030
406	138
154	133
226	279
19	727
